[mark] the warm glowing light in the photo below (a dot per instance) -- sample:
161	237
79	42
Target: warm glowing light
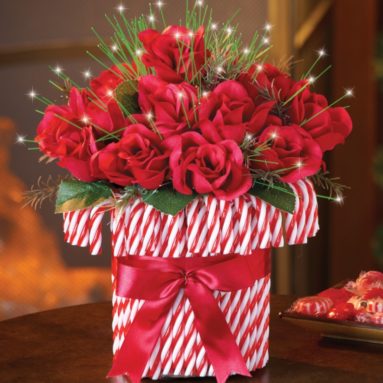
191	34
151	18
32	94
267	27
311	80
87	74
214	26
349	92
177	35
114	47
149	116
219	69
229	30
180	95
57	70
299	164
339	198
109	93
121	8
160	4
85	120
205	93
139	52
199	3
321	52
248	137
246	51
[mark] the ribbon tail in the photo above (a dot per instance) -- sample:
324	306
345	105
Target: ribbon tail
219	342
141	339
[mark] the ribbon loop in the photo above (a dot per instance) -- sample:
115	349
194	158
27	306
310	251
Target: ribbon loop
158	282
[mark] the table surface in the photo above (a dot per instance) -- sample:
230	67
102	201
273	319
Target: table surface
73	345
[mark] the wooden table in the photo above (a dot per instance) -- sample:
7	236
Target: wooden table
73	345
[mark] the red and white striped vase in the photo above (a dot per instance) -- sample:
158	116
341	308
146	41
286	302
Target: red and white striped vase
207	227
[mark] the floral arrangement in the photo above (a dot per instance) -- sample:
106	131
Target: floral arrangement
186	110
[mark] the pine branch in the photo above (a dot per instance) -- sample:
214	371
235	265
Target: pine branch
42	191
329	184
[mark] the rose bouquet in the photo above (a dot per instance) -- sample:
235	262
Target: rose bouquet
198	147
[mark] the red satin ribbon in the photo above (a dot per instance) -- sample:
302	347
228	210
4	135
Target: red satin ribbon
159	280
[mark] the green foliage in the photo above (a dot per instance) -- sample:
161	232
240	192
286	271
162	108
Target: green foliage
167	200
277	194
127	97
74	195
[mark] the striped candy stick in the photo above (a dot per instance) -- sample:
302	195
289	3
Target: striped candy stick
95	229
291	226
302	230
213	224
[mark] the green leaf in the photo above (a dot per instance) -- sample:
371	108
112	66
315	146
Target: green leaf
167	200
74	195
277	194
127	96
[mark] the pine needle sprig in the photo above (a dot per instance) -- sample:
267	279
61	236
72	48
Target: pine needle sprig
43	191
329	184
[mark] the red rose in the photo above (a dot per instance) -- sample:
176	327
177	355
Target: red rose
106	83
266	82
138	158
63	135
107	164
328	126
176	54
289	150
172	105
203	167
228	112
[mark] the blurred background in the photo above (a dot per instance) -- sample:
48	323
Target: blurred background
39	271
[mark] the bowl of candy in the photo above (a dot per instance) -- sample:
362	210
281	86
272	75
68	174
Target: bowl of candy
350	310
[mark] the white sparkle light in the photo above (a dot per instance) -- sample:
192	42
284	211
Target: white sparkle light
114	48
266	40
149	116
177	35
32	94
322	52
214	26
159	4
246	51
267	27
299	164
199	3
87	74
259	68
274	135
191	34
57	70
139	52
349	92
248	137
85	120
339	199
229	30
151	18
180	95
205	93
20	139
121	8
110	93
311	80
219	69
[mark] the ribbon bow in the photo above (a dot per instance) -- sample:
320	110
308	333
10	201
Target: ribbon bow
159	280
